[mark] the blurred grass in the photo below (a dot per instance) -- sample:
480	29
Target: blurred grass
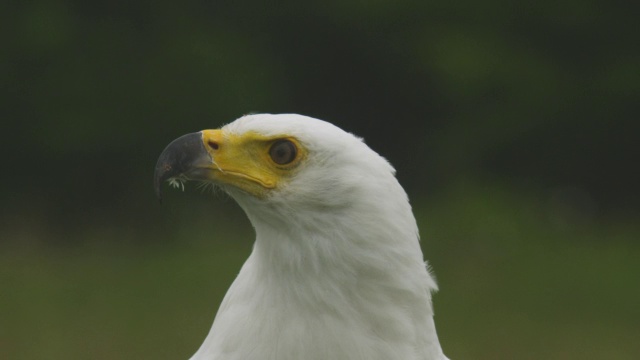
519	280
515	283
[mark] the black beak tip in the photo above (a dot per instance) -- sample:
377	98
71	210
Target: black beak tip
157	187
177	158
158	191
161	174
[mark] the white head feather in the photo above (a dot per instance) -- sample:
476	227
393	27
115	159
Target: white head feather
336	271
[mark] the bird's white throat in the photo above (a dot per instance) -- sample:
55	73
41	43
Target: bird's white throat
329	285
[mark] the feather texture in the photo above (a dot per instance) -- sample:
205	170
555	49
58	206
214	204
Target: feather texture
336	271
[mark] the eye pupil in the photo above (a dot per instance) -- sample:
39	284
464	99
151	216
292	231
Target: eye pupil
283	152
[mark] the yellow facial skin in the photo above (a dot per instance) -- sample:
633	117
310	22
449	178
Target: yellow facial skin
243	161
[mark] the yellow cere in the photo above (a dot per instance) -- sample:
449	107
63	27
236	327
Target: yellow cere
243	160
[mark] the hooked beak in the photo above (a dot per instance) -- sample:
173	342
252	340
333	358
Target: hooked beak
184	157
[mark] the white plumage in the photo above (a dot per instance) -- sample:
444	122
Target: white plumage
336	271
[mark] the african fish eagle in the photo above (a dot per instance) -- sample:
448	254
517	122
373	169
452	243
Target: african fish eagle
336	271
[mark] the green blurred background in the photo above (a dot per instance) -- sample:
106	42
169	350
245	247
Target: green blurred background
513	126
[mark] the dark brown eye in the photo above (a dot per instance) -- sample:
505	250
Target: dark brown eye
283	152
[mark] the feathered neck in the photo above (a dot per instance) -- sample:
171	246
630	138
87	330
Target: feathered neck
329	284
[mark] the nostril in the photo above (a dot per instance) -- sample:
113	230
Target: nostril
214	145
